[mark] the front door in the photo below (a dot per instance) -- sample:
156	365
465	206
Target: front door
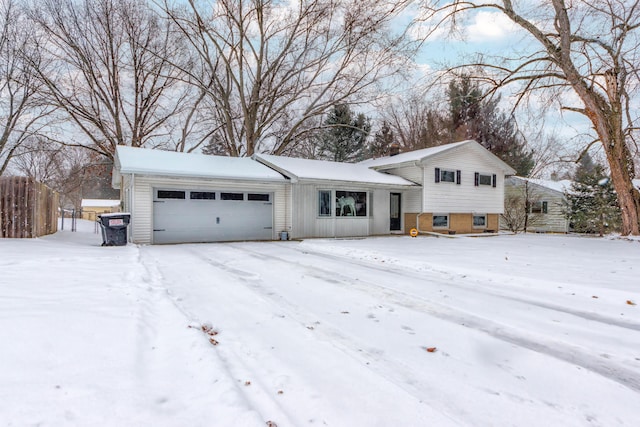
395	212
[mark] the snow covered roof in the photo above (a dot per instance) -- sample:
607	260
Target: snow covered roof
307	169
159	162
99	203
425	153
560	186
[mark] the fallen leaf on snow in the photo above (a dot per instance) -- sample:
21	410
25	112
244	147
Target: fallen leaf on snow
594	296
431	349
271	424
247	383
630	302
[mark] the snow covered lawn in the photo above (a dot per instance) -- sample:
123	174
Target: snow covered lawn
524	330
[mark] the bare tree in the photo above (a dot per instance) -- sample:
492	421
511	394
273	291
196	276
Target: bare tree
273	65
417	124
118	73
21	108
518	214
588	48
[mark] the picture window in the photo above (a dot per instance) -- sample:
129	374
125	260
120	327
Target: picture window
351	203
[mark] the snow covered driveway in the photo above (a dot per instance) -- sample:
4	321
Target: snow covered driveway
526	330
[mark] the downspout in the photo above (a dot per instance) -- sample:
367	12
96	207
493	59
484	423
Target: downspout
132	193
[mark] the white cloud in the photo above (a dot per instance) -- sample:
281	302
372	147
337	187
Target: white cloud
490	25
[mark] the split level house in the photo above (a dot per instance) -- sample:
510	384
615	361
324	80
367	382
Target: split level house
180	197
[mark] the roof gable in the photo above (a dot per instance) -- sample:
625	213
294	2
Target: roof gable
561	186
322	170
427	154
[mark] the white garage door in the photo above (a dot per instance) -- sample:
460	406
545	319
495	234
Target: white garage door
193	216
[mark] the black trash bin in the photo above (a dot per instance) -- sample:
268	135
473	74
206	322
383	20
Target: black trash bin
114	228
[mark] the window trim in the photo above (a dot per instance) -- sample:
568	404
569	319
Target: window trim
473	222
439	227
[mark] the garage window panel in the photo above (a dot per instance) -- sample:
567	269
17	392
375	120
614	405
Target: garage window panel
202	195
171	194
258	197
232	196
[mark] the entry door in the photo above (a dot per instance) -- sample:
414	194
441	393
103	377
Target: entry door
395	212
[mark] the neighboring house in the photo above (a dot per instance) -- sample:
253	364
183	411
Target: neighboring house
179	197
91	208
462	187
543	201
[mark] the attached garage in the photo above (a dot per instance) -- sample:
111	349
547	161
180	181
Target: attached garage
192	216
193	198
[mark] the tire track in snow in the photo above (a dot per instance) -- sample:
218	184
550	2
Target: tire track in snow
559	350
404	380
485	290
154	278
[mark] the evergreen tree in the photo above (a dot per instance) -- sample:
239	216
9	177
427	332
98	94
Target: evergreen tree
592	200
382	141
345	135
473	117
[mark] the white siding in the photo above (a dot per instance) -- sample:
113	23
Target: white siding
449	197
412	201
141	227
307	223
411	173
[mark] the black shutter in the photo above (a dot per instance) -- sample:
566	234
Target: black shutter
437	174
476	179
545	207
458	177
494	180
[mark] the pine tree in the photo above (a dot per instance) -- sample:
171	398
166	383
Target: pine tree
345	135
473	117
592	200
382	141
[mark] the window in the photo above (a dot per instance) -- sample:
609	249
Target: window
479	221
484	179
258	197
539	207
202	195
324	203
440	221
447	175
171	194
231	196
351	203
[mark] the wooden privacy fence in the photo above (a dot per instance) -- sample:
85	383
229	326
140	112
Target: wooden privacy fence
27	208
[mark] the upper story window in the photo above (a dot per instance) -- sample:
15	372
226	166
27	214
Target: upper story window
448	175
484	179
